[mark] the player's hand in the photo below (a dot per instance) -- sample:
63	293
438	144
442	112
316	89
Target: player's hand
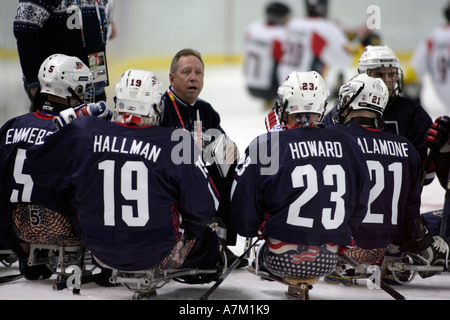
438	134
99	110
272	119
65	117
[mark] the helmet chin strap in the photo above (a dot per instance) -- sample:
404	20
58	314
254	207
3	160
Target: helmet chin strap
129	118
304	121
74	95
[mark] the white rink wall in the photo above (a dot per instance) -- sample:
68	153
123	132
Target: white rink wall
151	31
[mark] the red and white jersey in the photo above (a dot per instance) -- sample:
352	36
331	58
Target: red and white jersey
313	44
263	51
433	56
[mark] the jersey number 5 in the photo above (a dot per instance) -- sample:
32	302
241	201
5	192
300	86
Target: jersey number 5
21	178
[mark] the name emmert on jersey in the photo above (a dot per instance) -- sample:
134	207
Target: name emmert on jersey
28	135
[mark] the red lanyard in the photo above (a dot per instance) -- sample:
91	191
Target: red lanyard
176	108
199	128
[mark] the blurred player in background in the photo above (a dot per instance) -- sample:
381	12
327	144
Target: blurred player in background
263	52
132	201
432	56
315	43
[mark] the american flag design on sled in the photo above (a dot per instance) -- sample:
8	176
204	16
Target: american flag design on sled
299	261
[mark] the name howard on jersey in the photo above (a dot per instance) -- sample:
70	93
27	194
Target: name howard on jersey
305	149
28	135
384	147
103	144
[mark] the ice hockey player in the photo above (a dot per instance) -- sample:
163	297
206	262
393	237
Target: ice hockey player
392	222
63	80
135	200
402	115
310	203
431	57
263	51
315	43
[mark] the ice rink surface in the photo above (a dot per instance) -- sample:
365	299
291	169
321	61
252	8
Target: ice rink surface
243	119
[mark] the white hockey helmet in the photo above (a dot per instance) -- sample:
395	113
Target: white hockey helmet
64	76
377	57
362	93
303	92
138	97
381	62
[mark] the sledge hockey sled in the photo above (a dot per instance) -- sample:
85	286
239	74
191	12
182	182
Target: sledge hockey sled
60	259
404	270
145	283
400	270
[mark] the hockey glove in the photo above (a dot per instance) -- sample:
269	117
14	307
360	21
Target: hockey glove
272	120
99	110
438	134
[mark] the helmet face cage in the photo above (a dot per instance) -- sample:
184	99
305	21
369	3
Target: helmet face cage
381	62
302	93
64	76
361	93
392	77
138	98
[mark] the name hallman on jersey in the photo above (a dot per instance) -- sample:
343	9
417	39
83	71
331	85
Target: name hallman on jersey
113	144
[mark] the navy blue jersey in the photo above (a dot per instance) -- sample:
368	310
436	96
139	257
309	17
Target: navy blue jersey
395	171
405	117
178	114
16	136
312	189
131	187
